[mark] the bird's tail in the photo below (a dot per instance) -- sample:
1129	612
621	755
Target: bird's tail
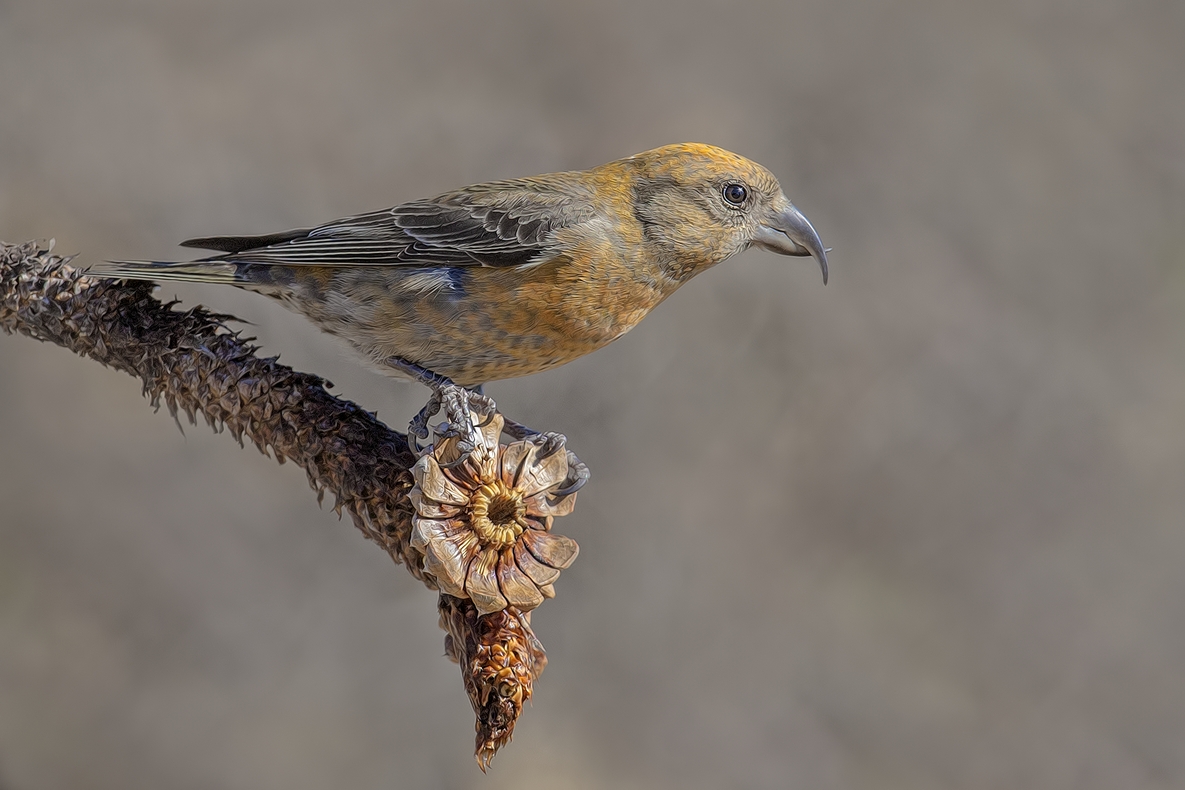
185	271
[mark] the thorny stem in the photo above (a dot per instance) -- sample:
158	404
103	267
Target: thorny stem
192	362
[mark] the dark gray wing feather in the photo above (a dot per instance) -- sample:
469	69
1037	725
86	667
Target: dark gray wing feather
506	223
240	243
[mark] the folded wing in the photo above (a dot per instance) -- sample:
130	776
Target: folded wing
506	223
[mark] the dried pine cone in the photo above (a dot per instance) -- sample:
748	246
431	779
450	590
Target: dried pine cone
483	519
500	660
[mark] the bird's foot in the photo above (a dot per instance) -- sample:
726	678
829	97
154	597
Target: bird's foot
550	443
458	404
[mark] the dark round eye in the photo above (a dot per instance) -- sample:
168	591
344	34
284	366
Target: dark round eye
735	193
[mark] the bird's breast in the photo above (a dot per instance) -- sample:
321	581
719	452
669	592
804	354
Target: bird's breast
476	324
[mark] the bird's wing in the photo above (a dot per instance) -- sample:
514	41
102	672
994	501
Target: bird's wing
506	223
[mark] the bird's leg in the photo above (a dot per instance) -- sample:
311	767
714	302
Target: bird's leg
550	443
457	402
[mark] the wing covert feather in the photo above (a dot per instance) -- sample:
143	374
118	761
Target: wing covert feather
502	223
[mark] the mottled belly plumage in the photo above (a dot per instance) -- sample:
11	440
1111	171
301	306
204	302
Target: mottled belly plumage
470	324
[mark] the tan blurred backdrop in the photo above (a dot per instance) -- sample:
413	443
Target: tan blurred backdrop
922	528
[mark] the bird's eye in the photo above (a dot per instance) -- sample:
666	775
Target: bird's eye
735	193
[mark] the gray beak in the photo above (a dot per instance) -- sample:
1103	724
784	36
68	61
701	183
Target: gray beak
788	232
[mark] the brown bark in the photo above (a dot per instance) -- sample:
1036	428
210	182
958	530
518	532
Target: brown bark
193	363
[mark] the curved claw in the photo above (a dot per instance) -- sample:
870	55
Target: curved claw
460	461
580	474
418	429
419	423
549	444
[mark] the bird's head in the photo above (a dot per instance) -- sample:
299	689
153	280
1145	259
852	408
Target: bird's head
700	204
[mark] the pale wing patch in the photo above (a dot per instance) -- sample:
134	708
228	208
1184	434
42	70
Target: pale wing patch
428	281
345	306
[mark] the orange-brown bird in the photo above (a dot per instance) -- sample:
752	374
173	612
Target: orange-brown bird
507	278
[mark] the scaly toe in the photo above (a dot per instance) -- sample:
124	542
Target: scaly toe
456	402
516	430
419	424
549	443
578	475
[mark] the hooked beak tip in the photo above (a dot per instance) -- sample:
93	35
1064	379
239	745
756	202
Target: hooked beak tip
788	232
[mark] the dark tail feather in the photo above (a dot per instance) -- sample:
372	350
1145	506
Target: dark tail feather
243	243
185	271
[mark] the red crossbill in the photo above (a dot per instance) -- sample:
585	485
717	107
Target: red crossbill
507	278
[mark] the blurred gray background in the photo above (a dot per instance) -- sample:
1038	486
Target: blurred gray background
923	528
